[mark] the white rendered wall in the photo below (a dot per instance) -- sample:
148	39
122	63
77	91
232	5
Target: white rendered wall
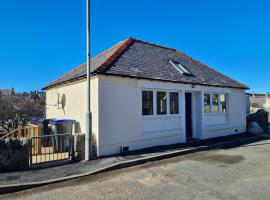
231	122
118	121
197	115
209	125
75	107
215	119
122	123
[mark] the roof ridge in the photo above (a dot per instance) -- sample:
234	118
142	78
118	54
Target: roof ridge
153	44
102	68
102	53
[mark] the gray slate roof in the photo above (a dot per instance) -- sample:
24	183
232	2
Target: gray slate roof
80	72
140	59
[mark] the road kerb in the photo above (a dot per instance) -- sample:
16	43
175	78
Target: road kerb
120	165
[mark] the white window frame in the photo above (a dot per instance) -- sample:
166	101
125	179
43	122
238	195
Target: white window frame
167	115
146	90
210	105
226	96
166	93
211	99
211	102
169	104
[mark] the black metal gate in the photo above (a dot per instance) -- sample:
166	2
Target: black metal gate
51	149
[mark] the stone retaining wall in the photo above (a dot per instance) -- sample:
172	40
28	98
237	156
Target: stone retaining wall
14	154
79	146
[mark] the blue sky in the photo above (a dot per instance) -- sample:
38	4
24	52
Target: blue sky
41	40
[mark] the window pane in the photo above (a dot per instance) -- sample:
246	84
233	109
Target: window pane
182	69
215	103
207	103
174	107
222	105
147	102
161	103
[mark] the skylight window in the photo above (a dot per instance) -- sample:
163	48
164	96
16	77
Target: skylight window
180	68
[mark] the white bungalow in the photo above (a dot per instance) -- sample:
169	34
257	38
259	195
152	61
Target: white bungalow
146	95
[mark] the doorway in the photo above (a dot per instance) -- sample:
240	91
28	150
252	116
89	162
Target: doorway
188	99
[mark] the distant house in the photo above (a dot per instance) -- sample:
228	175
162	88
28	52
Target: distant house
267	101
145	95
260	100
7	92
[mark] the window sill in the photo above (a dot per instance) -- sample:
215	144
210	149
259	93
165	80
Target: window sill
162	132
215	113
151	117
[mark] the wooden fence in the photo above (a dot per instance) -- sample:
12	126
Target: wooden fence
27	132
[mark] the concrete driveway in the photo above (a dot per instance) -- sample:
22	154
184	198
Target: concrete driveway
232	173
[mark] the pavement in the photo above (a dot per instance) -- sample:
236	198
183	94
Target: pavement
15	181
236	171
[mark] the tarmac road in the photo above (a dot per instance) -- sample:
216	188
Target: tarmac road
233	173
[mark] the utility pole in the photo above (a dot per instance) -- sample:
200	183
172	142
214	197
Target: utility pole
88	134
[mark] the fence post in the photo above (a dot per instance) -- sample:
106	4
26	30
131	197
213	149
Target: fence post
30	152
19	132
34	142
38	132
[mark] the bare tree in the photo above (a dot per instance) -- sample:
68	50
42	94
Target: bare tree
7	113
18	109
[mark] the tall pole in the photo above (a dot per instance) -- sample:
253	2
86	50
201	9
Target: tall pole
88	134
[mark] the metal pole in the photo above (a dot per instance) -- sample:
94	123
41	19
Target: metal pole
88	134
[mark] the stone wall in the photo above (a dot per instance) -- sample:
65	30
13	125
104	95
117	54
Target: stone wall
14	154
79	146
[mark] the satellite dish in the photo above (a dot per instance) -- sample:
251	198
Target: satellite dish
61	102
